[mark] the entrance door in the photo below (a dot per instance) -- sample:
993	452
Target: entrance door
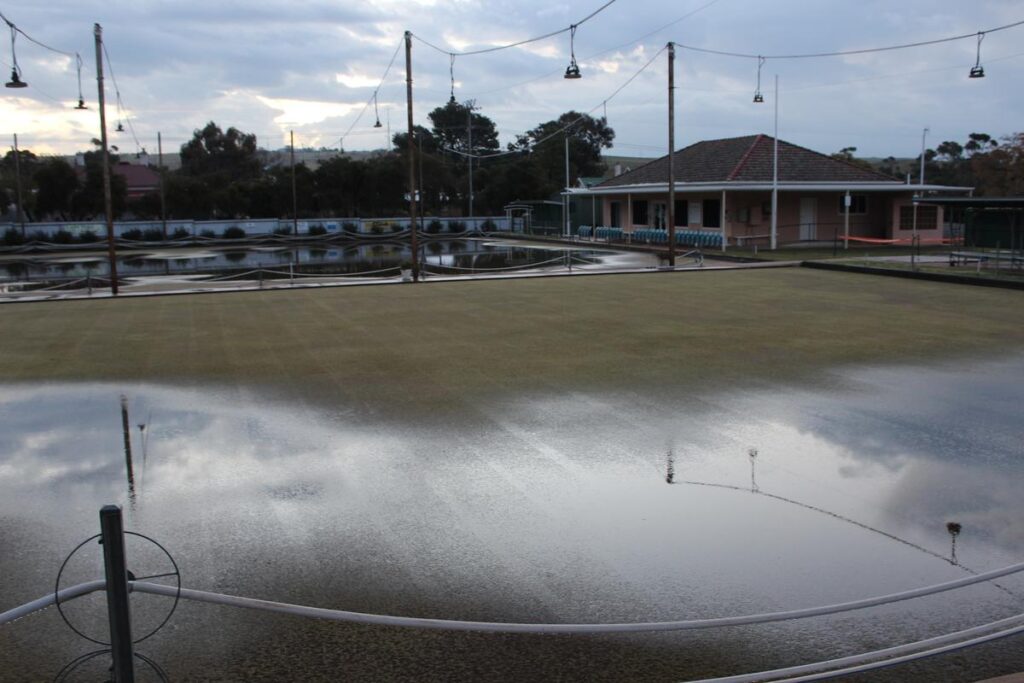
808	218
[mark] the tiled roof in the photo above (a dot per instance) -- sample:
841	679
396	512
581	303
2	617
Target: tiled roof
747	159
137	177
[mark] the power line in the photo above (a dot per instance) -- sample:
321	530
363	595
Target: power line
841	53
14	27
120	102
570	27
603	52
568	125
376	90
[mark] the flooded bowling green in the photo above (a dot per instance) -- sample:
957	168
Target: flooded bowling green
545	505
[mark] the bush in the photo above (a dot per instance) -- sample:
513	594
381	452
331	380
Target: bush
63	237
395	227
87	237
207	233
12	237
234	233
133	234
456	226
279	230
154	235
180	233
317	230
434	227
488	226
350	227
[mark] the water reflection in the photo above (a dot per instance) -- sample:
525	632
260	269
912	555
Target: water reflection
441	255
551	508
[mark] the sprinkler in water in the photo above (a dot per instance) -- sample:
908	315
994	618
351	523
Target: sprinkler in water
954	530
753	477
670	469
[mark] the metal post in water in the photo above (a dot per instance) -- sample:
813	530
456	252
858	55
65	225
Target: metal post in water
118	609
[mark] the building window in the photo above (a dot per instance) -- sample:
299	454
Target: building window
858	204
927	217
694	217
712	213
766	210
613	215
682	212
640	212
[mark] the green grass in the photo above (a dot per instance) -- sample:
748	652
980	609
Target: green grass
439	347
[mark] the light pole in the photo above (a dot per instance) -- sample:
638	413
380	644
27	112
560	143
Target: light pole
775	172
920	193
565	202
412	158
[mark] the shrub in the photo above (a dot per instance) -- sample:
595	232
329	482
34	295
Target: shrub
180	233
153	235
234	233
234	256
12	237
376	229
279	230
350	227
434	227
207	233
456	226
63	237
317	230
133	234
488	226
88	236
395	227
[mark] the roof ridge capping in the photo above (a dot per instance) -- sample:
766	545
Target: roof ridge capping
746	155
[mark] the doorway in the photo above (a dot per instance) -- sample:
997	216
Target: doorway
808	218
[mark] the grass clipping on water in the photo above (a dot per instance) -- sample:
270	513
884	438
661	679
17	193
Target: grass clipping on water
434	345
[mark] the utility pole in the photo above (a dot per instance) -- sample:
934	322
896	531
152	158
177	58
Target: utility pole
295	203
412	159
107	202
423	200
17	185
163	195
671	155
469	134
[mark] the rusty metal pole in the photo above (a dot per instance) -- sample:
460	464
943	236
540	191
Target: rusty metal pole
118	611
671	155
414	247
107	202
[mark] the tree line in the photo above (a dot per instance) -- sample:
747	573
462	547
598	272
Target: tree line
224	176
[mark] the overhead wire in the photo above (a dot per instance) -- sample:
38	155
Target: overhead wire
120	103
843	53
373	97
566	127
41	44
496	48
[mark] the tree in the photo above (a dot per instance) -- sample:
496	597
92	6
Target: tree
979	142
230	155
545	143
451	127
27	162
88	201
56	184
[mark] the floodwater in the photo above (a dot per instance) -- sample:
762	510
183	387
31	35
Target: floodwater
546	508
442	255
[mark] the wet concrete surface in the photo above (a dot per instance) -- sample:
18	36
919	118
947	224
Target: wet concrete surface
547	507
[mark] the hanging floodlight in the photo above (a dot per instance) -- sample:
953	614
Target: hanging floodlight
978	71
758	97
120	128
78	65
573	70
376	112
15	81
451	73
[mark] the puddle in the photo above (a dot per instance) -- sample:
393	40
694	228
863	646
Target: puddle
543	509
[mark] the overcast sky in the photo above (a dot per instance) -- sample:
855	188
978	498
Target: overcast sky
269	66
